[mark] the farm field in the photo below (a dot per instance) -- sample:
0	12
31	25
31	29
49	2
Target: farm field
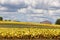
12	30
8	24
29	33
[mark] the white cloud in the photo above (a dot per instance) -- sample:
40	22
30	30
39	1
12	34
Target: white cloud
31	13
29	10
23	10
2	1
3	8
34	15
55	3
16	2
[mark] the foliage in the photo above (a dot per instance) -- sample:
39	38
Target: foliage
7	20
1	18
58	22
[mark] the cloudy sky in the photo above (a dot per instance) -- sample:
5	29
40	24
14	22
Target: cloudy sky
30	10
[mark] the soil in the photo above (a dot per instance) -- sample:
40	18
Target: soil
28	39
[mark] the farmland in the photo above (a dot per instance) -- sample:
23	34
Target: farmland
27	25
28	30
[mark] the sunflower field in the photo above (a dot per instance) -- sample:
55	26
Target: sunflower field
28	30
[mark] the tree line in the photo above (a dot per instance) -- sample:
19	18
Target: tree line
1	19
57	21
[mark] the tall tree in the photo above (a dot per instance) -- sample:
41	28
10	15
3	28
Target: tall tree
1	18
58	22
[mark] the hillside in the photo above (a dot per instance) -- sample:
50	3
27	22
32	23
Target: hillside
26	24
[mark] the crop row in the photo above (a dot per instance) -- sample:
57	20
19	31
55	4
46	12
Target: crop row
27	24
29	32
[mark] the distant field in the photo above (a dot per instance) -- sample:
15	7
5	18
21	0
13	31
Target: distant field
5	24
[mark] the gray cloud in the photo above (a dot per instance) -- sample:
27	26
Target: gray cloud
13	7
37	4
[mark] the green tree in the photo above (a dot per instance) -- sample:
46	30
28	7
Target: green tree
7	20
1	18
58	22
